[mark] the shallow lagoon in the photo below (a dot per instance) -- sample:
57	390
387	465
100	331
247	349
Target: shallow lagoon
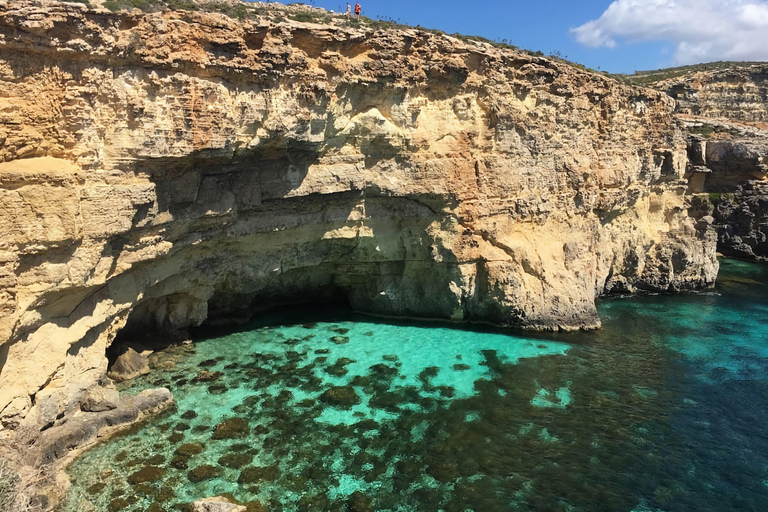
664	409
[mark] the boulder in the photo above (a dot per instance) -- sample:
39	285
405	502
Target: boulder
217	504
128	365
99	399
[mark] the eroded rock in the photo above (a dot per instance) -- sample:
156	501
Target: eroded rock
217	504
128	365
99	399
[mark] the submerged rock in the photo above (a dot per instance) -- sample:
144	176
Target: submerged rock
206	376
341	396
146	474
232	428
179	462
256	474
340	340
235	460
117	504
359	502
189	449
217	389
205	472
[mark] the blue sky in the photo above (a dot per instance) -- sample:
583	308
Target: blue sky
619	36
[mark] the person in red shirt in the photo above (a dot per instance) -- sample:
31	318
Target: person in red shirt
357	11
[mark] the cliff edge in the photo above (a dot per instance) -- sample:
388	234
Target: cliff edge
160	170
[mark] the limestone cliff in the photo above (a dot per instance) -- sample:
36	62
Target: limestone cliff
164	169
739	93
726	113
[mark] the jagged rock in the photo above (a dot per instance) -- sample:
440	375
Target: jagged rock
128	365
99	399
217	504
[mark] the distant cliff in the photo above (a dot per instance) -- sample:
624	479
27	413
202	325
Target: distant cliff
739	93
162	170
726	114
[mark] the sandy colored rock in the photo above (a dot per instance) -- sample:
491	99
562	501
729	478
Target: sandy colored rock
99	399
217	504
160	170
128	365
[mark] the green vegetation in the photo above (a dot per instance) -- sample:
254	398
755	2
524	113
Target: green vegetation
716	197
704	130
649	77
9	488
240	11
311	17
707	130
86	2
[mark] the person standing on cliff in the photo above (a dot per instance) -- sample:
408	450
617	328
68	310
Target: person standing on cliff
357	11
349	11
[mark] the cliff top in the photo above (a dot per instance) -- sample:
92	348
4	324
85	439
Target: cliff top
652	77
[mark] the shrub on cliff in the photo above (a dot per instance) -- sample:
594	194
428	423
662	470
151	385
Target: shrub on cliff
11	498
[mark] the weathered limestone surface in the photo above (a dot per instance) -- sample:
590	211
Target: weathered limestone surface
178	167
738	93
729	170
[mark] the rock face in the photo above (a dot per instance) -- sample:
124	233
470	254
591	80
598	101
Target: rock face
728	171
163	169
738	93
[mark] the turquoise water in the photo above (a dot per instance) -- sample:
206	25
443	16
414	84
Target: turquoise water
664	409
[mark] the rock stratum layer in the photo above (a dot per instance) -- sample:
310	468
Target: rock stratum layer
726	111
739	93
171	168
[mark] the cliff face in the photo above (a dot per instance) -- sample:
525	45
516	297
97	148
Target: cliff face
726	112
738	93
170	168
729	173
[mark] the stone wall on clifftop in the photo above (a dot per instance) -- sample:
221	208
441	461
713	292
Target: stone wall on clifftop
171	168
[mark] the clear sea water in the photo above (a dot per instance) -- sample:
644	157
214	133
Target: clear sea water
664	409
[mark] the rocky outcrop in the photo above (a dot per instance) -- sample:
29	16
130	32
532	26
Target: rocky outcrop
84	429
726	113
130	364
162	170
728	171
100	399
739	93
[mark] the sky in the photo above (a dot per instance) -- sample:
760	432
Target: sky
619	36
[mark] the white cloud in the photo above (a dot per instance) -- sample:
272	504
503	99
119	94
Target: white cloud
703	30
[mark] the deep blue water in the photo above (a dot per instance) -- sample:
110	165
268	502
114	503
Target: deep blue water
663	409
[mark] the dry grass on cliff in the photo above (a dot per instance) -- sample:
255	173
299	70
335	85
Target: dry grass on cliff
12	497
